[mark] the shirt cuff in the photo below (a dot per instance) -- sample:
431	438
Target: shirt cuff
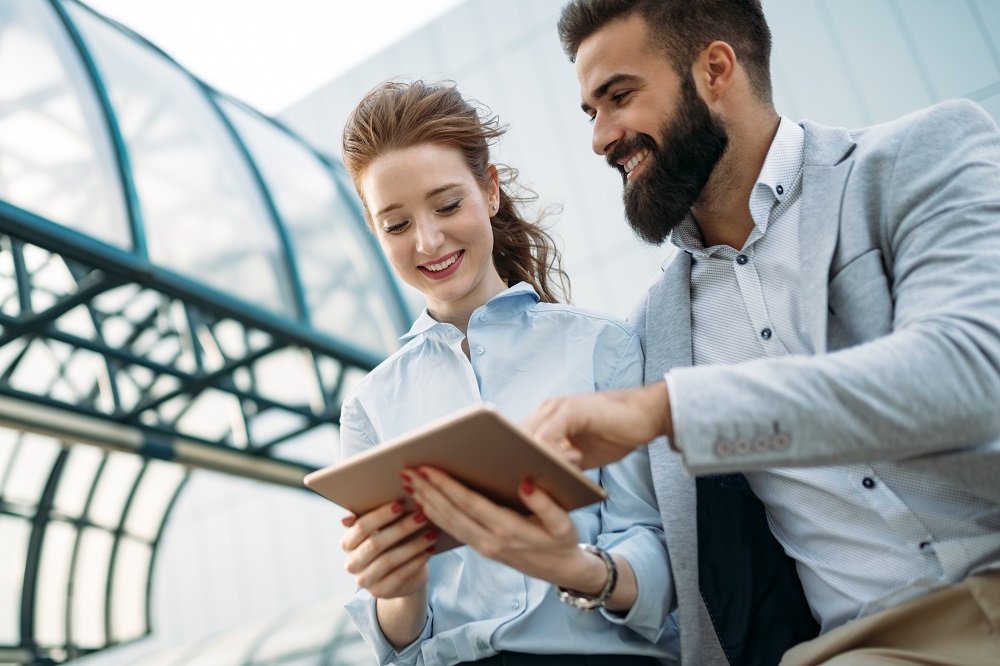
361	609
650	562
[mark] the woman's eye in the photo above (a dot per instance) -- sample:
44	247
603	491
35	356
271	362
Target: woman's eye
450	208
394	228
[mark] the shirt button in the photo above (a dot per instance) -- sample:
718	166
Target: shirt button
868	482
482	317
480	350
766	334
779	189
742	259
924	544
515	604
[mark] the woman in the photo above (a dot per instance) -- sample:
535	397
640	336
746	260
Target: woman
493	331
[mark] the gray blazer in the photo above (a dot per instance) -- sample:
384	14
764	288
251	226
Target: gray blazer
900	273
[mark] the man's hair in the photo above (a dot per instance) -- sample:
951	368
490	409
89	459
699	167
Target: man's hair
682	29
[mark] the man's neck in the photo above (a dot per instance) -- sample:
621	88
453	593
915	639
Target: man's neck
723	211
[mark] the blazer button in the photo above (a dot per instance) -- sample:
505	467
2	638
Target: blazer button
742	445
723	448
761	444
780	441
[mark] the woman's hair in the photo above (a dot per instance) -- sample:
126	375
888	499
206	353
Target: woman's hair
397	114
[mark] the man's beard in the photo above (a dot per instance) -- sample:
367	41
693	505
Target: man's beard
674	175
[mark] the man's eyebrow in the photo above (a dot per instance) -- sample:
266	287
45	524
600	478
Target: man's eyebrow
602	89
435	191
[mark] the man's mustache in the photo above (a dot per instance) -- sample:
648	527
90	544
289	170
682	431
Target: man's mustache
627	147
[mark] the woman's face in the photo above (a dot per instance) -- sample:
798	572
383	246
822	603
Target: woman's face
432	218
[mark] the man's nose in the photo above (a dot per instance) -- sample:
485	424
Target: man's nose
606	134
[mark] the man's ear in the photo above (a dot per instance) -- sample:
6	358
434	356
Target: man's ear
714	71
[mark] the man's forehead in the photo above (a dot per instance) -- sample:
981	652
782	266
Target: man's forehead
609	52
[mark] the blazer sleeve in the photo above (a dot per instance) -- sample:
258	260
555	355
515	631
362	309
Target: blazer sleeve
932	383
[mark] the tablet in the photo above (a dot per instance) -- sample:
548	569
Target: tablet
477	446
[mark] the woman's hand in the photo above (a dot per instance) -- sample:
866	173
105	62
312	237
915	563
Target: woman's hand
543	545
385	552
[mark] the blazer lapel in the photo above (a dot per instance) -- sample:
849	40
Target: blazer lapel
668	324
824	174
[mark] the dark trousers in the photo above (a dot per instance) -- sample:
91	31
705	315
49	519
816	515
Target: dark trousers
521	659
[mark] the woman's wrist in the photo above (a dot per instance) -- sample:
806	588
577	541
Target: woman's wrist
586	574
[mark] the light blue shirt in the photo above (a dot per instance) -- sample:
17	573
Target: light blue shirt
522	352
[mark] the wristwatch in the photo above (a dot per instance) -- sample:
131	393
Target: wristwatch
585	601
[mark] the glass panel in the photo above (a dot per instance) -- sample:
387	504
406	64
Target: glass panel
30	469
77	480
113	489
9	305
55	153
53	583
202	211
152	499
288	376
14	534
8	444
347	290
212	415
90	583
128	590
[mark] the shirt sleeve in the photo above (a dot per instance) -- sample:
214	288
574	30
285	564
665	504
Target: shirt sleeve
631	526
361	609
357	434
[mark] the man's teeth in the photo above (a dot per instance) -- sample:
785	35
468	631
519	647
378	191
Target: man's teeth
634	162
434	268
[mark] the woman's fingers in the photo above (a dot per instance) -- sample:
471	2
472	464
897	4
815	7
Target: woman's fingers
386	573
551	517
405	579
371	522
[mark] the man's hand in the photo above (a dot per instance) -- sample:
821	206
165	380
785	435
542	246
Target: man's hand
594	429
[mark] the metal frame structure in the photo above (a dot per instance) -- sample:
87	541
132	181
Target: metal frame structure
142	361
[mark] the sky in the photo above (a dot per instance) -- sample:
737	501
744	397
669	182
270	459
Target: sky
271	53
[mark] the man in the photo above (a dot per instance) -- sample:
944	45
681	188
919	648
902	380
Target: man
829	327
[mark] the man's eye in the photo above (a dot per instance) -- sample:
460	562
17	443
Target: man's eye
618	98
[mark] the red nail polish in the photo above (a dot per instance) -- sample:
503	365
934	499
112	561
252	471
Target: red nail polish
430	549
408	489
431	535
347	521
527	487
397	507
419	518
423	474
405	477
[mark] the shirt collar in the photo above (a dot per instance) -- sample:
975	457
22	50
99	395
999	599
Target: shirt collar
506	304
786	155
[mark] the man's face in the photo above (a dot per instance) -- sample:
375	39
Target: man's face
650	124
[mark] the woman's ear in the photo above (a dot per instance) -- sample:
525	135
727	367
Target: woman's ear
493	189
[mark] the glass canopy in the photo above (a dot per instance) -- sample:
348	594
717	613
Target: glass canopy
183	283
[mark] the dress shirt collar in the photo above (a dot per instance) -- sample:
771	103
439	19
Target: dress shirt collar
506	304
786	155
